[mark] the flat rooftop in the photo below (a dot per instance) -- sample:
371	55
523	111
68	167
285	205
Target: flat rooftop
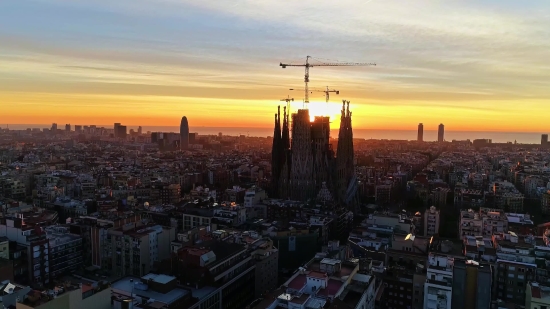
164	279
202	292
127	286
57	239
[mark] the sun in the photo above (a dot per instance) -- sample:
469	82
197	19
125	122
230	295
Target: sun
330	109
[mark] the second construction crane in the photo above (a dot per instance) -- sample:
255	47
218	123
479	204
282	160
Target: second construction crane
308	65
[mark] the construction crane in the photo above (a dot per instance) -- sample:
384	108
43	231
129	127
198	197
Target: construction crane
327	92
308	65
288	99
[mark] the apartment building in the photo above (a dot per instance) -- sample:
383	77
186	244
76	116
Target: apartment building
494	221
479	248
537	296
267	262
471	224
195	216
149	291
439	279
431	221
439	196
134	249
32	246
466	198
471	286
230	214
254	196
512	279
231	270
504	195
4	248
382	193
324	283
65	251
165	193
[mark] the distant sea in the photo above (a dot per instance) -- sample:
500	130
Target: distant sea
429	135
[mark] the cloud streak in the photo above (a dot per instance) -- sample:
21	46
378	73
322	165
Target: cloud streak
430	55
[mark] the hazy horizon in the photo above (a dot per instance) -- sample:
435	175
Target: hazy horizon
429	135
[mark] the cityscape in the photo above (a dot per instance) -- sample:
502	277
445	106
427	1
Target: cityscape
186	163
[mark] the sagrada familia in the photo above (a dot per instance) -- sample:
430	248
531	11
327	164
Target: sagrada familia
305	167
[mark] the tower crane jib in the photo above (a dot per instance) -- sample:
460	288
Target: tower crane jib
308	65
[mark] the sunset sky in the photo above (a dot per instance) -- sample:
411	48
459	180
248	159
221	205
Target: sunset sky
472	65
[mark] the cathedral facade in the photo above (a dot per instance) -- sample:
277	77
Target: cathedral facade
304	165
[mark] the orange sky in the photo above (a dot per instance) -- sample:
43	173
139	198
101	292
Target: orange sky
472	65
44	108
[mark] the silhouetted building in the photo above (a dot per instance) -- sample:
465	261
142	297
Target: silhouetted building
482	142
115	129
192	138
420	137
68	128
544	139
184	134
441	133
121	132
277	152
300	171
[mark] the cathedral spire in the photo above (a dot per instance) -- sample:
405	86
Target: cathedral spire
285	134
345	170
276	153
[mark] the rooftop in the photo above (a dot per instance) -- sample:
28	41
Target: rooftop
163	279
129	284
540	291
58	237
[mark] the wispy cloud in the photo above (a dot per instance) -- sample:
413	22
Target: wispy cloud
439	55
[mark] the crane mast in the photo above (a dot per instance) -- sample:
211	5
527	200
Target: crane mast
288	99
308	65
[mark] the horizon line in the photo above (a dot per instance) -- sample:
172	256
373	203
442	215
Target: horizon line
270	127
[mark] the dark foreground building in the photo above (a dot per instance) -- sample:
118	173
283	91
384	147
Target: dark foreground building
301	168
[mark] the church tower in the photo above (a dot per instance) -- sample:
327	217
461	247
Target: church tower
276	154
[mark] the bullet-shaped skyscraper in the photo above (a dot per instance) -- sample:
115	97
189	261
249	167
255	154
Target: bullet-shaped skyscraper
420	137
184	134
441	133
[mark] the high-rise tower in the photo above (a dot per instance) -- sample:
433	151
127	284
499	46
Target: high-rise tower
441	133
184	134
420	137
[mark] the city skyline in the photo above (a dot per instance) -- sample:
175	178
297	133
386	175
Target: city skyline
479	68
